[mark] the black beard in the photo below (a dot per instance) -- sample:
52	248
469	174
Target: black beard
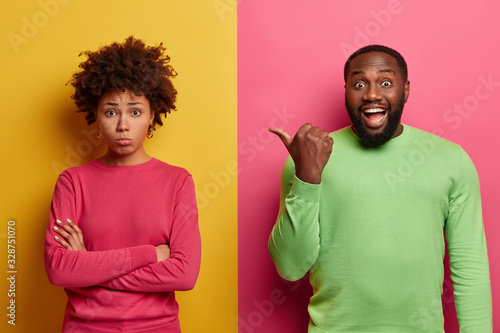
378	139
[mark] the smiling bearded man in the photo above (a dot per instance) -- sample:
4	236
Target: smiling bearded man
387	132
375	108
367	228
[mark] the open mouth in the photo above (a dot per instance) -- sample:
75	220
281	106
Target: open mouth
374	117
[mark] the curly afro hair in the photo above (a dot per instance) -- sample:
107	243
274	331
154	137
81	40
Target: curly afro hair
131	65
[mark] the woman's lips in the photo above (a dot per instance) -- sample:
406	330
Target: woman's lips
124	142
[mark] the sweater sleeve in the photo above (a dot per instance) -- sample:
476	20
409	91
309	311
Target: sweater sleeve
468	253
294	240
85	268
180	271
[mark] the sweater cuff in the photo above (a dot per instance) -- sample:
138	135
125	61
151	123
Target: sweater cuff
305	191
142	255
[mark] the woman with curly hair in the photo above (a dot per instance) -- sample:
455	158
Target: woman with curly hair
123	232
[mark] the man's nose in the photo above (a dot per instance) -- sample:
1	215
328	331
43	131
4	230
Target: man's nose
372	93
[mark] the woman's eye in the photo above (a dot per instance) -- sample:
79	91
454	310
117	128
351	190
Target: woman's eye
110	113
136	112
359	85
386	83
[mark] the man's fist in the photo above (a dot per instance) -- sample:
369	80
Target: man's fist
310	150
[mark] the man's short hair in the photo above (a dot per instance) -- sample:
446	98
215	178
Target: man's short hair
403	68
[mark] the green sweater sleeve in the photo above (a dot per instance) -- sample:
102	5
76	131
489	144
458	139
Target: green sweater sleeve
467	251
294	241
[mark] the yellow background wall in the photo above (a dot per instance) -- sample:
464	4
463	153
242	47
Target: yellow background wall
42	134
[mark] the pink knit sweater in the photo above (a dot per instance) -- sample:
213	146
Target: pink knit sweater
124	212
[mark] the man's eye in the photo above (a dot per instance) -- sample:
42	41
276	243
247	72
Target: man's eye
386	83
359	85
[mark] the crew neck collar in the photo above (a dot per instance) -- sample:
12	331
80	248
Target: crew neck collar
139	166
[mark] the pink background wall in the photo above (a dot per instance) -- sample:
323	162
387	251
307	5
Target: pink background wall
290	60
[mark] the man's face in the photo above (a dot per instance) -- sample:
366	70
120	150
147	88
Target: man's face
375	95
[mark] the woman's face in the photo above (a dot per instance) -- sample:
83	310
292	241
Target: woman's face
124	119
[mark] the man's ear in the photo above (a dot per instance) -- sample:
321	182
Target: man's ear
407	90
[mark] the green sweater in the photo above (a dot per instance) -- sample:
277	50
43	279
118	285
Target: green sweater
371	235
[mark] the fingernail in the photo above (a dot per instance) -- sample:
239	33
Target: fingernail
56	228
56	237
58	222
69	221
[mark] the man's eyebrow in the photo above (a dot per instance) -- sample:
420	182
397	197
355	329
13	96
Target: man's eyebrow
388	70
385	70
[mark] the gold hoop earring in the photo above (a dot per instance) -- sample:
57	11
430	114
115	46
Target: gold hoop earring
98	134
151	132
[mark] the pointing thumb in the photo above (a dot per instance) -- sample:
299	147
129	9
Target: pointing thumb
284	136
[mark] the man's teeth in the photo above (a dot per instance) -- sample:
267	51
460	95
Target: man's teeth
376	110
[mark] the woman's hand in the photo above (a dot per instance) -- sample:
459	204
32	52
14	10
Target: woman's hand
162	252
71	236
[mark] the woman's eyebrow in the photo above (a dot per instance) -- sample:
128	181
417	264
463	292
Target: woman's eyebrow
116	104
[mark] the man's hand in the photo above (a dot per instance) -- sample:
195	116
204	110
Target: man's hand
310	150
162	252
71	236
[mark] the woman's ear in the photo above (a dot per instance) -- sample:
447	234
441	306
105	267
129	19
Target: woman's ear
152	117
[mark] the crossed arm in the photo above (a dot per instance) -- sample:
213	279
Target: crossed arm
71	238
172	271
141	268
